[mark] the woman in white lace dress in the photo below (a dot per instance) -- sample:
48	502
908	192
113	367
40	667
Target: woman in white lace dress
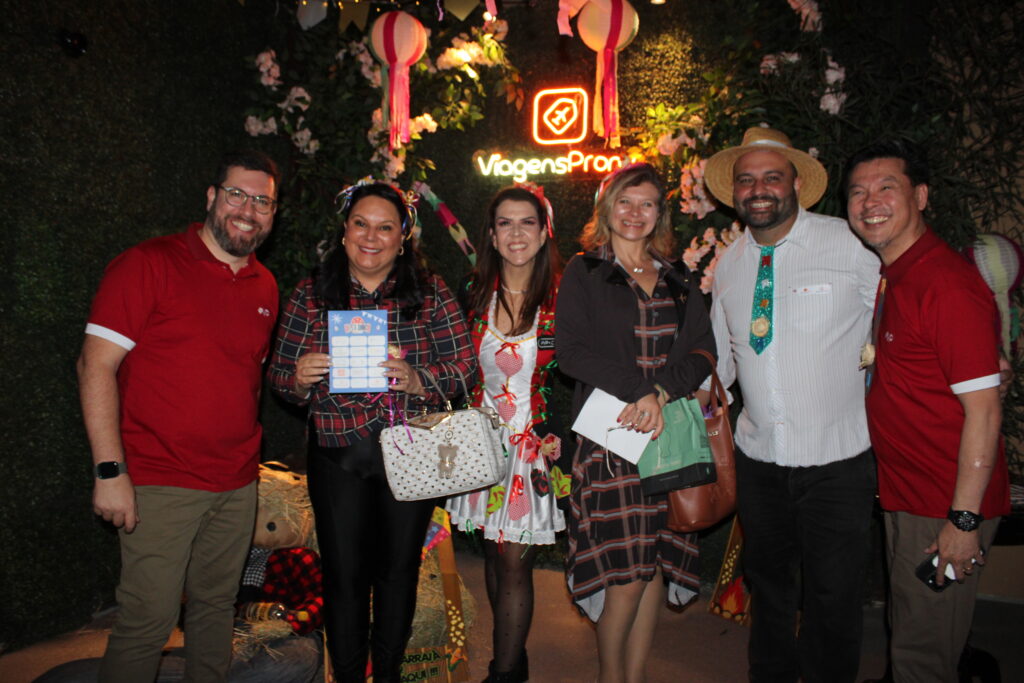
509	302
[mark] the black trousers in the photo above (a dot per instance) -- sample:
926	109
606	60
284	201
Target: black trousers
369	542
805	528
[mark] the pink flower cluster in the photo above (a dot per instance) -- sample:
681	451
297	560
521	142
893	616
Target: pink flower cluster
810	15
693	199
393	161
297	98
303	139
667	145
705	244
367	64
270	71
834	98
463	51
254	126
771	63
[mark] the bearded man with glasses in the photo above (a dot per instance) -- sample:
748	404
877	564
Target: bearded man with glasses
169	377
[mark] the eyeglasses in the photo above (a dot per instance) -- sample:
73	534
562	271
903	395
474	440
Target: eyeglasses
235	197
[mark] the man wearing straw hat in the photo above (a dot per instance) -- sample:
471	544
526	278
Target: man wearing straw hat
792	301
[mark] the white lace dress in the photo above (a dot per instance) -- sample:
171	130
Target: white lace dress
522	508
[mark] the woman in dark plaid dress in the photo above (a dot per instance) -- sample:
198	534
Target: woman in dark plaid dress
627	320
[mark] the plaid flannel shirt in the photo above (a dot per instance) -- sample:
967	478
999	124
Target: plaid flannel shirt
435	342
293	578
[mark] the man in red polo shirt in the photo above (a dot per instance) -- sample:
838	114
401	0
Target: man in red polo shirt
933	411
169	376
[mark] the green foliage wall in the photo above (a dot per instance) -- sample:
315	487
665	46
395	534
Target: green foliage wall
101	151
98	152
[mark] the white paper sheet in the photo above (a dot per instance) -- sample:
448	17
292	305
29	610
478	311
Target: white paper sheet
599	414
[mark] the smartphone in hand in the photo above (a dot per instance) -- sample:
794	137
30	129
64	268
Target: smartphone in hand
927	570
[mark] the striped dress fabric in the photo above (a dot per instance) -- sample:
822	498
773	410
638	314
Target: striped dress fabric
618	535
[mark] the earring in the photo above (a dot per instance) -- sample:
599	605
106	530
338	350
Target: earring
342	241
401	250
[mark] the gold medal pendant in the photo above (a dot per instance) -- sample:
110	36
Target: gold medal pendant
760	326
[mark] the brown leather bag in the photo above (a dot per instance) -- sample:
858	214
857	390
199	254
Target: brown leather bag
699	507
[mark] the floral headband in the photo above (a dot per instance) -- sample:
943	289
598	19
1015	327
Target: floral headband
538	192
344	201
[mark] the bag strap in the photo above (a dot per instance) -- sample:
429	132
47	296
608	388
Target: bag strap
718	395
433	383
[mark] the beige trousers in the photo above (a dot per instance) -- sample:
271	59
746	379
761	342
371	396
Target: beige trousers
929	629
186	540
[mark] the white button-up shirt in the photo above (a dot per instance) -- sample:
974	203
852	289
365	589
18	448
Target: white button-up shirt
803	396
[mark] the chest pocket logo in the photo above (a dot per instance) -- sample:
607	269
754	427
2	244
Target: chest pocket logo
808	290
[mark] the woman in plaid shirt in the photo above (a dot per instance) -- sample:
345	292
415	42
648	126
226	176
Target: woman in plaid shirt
627	320
369	542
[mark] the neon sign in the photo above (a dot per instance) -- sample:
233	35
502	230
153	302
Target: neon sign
559	116
520	169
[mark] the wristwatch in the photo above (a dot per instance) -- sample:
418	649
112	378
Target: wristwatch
964	520
110	469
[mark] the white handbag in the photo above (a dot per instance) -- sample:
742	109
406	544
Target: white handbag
434	455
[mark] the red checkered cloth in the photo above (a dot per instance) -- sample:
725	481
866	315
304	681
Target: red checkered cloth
294	579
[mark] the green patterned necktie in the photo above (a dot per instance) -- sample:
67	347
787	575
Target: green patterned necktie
761	312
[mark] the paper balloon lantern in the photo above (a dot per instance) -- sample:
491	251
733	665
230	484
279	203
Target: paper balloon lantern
998	259
397	40
607	27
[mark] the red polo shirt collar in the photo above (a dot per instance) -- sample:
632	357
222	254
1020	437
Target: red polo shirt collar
898	269
201	252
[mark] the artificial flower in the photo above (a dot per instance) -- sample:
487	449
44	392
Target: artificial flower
832	102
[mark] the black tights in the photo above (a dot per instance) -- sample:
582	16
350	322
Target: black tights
509	574
368	542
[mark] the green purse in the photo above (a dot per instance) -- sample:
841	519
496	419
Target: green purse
681	457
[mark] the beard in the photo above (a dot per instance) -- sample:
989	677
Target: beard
782	209
240	245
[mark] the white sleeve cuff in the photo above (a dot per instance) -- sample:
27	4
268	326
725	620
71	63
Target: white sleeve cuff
706	386
976	384
111	336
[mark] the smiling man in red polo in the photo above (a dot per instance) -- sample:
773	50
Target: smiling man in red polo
933	411
169	376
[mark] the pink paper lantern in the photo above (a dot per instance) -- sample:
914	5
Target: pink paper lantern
607	27
397	40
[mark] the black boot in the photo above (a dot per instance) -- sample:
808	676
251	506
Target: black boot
520	674
523	667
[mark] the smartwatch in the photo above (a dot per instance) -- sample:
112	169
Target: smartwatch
964	520
110	469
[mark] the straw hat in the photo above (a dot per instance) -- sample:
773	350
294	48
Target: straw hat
813	177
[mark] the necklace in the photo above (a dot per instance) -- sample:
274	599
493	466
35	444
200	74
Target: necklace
635	269
513	291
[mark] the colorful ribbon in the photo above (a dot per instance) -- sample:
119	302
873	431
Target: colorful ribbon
518	488
511	346
567	9
448	220
538	192
506	394
527	444
606	92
